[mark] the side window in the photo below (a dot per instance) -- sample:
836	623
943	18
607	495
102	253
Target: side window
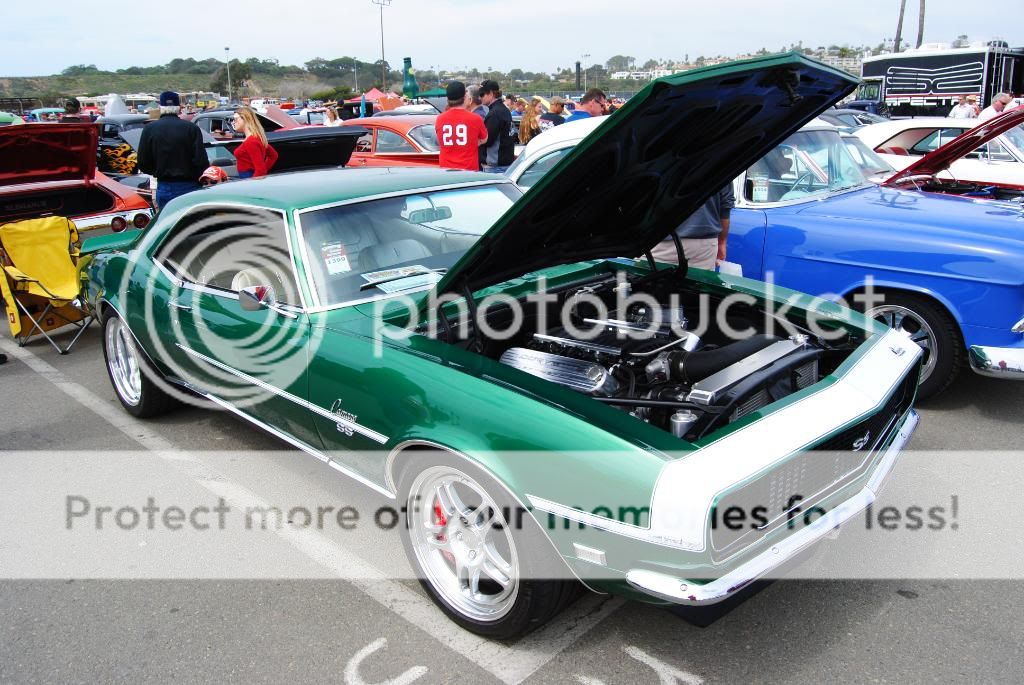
537	170
388	141
231	248
998	153
365	143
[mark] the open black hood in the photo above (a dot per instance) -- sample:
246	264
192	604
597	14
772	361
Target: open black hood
637	176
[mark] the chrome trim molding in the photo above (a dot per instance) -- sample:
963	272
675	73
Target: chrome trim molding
1018	327
683	591
997	362
320	411
295	442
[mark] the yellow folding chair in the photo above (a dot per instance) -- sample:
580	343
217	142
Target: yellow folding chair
42	280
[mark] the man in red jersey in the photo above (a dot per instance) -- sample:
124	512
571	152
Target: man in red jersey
459	132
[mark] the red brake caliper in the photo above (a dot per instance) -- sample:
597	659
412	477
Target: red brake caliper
441	521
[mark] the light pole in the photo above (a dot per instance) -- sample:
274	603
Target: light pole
383	71
355	72
227	61
586	69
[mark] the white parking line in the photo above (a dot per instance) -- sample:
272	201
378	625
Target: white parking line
508	664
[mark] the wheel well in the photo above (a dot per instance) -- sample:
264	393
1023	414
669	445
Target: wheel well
890	290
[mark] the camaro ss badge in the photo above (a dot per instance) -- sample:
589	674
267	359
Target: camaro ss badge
348	417
898	351
860	442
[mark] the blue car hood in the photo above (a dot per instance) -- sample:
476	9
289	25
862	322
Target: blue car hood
976	222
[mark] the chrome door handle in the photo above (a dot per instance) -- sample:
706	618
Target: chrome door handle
183	307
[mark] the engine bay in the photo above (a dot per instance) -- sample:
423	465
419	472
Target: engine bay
671	359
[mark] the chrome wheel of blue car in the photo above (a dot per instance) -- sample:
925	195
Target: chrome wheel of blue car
463	544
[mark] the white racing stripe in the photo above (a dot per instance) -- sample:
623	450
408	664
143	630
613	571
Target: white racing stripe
510	664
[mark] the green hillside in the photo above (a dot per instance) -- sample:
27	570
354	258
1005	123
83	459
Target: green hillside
50	88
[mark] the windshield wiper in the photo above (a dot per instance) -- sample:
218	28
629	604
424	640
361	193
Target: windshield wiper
374	284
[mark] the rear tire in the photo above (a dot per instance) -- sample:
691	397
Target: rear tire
134	379
934	330
493	579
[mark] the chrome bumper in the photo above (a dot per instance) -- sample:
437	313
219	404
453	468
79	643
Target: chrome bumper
100	221
997	362
683	591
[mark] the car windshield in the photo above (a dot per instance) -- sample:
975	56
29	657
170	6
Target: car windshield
869	161
1016	137
807	164
426	136
403	244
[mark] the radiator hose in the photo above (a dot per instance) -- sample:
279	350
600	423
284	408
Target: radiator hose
691	367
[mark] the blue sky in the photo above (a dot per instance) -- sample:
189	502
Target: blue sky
450	34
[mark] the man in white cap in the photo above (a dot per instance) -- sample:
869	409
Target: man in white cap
999	103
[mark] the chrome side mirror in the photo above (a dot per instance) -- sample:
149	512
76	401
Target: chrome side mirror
256	297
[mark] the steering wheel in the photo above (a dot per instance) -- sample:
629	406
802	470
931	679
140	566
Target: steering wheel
805	177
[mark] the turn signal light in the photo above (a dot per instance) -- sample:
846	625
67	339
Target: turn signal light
118	224
140	220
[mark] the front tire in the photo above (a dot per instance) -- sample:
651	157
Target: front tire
134	379
934	331
493	579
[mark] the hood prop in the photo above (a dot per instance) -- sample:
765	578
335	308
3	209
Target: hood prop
684	264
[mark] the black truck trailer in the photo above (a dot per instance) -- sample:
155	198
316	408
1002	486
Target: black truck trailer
929	81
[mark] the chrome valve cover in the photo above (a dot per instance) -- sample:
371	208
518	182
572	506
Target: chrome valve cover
580	375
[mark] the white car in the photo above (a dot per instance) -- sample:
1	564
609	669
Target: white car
543	152
902	142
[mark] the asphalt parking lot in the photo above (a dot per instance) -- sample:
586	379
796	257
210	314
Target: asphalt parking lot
282	611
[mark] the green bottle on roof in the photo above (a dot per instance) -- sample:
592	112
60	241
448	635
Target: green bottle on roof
410	88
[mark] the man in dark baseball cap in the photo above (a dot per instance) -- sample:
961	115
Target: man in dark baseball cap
171	149
72	112
456	90
499	152
460	133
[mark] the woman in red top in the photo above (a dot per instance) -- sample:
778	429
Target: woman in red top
255	157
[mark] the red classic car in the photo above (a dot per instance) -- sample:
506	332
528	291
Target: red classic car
402	140
50	169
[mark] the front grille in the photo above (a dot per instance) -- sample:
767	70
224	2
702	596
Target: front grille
809	476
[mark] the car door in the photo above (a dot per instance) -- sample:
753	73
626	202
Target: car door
747	232
248	360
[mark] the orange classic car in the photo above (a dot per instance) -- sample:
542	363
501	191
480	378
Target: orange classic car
396	140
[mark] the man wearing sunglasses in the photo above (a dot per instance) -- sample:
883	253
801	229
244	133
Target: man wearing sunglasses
594	103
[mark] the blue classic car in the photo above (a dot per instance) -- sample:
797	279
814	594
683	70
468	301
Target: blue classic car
950	268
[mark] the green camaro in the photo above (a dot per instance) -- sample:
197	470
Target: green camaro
546	407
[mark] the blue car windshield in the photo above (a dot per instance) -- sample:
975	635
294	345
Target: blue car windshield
808	164
396	245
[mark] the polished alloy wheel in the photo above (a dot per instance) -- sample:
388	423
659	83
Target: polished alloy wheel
914	326
462	543
123	362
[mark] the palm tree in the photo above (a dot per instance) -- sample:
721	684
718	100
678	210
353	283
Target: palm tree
920	23
899	27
